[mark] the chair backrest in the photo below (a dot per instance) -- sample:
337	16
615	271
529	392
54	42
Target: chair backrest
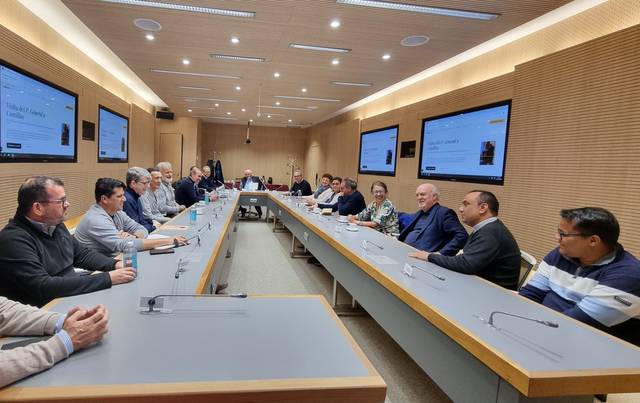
527	264
72	223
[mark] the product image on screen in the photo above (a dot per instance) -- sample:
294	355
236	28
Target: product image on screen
37	119
113	133
378	151
466	146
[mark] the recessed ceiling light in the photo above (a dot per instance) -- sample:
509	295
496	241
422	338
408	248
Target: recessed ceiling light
350	84
268	116
307	98
277	102
303	90
414	40
251	120
276	74
150	37
147	24
243	110
236	58
290	120
185	7
185	73
186	62
189	110
212	99
216	105
318	48
450	12
235	40
228	113
238	88
335	62
335	23
386	56
186	87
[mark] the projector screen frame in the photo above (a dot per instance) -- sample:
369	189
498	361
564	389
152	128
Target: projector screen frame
466	178
75	126
112	160
395	160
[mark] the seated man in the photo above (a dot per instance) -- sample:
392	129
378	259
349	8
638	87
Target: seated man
207	181
166	195
248	183
351	202
38	255
590	276
150	198
106	229
300	186
187	192
434	227
76	330
491	252
138	180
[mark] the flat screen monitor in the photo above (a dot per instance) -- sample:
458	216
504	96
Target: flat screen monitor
37	118
378	151
113	136
466	146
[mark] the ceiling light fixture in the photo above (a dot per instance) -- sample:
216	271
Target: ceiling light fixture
186	87
386	56
449	12
236	58
278	103
335	24
150	37
268	116
243	110
290	120
235	40
335	62
350	84
303	89
307	98
186	62
189	110
212	99
288	108
238	88
318	48
216	105
228	113
186	73
185	7
276	74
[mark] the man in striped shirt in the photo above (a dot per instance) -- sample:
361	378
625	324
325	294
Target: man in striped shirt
589	276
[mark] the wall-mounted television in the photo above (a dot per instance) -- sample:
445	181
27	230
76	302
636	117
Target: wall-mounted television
113	136
378	151
466	146
37	118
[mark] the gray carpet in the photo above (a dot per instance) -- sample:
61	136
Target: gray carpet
266	268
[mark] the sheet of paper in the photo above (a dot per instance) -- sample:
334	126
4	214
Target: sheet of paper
158	236
174	227
381	259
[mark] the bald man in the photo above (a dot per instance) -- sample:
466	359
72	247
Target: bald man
435	228
248	183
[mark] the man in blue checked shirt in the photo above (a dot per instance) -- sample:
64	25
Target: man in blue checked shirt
590	276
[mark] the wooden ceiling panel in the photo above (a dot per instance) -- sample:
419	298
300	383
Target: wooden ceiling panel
368	32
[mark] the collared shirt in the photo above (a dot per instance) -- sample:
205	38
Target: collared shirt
150	207
385	216
46	228
248	184
63	335
484	222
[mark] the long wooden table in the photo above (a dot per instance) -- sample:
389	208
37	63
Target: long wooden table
258	349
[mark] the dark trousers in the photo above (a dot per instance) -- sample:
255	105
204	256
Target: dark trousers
243	210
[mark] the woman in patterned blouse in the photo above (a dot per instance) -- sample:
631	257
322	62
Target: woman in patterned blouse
380	214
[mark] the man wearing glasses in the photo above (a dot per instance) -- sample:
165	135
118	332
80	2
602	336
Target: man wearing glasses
138	180
37	253
590	276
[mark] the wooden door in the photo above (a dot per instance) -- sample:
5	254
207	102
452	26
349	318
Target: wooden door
171	150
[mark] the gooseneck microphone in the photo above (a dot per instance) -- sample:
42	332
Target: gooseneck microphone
152	301
374	244
428	272
542	322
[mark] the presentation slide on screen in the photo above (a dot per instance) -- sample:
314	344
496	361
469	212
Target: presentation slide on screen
470	143
113	136
378	151
35	119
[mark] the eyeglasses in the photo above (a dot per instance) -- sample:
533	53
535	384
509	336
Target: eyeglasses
62	200
563	235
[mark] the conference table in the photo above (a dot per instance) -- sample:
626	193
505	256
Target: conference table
192	345
441	319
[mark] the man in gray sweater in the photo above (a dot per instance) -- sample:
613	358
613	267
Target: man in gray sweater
78	329
106	229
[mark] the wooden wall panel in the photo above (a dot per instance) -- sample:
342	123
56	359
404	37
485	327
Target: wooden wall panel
267	154
142	138
190	129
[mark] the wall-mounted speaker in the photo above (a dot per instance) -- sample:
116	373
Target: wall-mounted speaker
164	115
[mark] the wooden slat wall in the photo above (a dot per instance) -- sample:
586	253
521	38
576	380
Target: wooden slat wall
267	154
79	177
574	139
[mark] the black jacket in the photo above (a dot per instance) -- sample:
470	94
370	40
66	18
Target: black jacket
36	268
352	204
187	193
490	252
303	187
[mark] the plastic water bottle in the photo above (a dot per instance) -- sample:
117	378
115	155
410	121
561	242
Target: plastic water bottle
193	215
206	198
130	255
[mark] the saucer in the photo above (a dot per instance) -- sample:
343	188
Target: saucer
352	228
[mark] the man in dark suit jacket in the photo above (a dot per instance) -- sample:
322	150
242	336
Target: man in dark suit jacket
434	228
250	182
491	252
187	193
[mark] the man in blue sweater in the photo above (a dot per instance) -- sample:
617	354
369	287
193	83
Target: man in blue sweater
351	201
589	276
138	180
